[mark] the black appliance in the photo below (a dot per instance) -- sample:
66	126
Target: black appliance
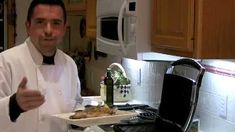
178	101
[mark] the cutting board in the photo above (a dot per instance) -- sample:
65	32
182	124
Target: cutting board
103	120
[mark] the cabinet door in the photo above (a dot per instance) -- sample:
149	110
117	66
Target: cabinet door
91	19
173	26
75	7
11	23
215	22
1	26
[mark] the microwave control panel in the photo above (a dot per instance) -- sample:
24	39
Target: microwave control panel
132	29
131	7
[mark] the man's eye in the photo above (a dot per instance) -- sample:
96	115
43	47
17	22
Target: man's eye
39	22
57	22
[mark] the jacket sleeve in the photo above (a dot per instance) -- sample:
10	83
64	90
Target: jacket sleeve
5	94
76	88
79	98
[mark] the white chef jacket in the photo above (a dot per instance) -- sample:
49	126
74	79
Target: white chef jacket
59	83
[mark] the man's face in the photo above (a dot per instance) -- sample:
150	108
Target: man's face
46	28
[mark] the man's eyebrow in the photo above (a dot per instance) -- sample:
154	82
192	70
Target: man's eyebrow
58	20
55	19
39	18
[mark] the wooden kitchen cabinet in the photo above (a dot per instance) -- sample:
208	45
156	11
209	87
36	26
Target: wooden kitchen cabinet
11	23
194	28
91	19
86	8
75	7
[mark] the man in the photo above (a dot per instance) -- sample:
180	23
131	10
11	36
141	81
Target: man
36	78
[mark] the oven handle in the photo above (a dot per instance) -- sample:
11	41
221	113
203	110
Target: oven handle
120	17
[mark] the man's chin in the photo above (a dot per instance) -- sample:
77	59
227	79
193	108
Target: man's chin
49	43
48	52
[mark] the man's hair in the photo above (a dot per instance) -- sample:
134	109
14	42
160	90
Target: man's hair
34	3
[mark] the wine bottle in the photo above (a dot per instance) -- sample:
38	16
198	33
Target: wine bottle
109	88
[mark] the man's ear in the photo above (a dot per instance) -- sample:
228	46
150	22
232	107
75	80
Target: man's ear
66	25
27	25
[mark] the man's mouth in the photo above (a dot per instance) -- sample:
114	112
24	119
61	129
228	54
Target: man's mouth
48	39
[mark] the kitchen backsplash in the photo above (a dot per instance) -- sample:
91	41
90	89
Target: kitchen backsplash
216	106
146	79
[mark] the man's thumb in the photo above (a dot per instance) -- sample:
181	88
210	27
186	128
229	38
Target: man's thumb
23	83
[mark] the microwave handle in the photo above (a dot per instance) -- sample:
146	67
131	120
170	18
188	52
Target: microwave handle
119	28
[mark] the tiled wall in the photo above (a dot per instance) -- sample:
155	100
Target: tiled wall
216	107
146	79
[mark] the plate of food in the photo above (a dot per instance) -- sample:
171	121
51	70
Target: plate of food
95	115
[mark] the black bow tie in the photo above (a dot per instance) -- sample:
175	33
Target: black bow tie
48	60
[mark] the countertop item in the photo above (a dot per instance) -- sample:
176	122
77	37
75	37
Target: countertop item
93	121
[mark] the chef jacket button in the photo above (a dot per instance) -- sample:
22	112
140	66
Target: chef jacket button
60	92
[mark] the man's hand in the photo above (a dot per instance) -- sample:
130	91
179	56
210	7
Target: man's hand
28	99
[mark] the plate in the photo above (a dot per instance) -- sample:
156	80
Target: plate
102	120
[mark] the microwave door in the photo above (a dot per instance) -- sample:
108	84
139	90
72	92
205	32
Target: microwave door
120	24
107	35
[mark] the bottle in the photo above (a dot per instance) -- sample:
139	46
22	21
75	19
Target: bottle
108	81
103	90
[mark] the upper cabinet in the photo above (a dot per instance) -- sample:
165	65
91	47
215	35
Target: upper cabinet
10	23
76	7
86	8
194	28
1	26
91	19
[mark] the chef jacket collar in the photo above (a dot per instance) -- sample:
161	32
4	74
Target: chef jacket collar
36	55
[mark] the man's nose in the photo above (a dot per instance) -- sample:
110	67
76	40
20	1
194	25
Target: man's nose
48	29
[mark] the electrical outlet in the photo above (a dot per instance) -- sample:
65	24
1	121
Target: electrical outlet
223	107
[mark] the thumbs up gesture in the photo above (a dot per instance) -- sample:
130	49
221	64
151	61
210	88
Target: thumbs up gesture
28	99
